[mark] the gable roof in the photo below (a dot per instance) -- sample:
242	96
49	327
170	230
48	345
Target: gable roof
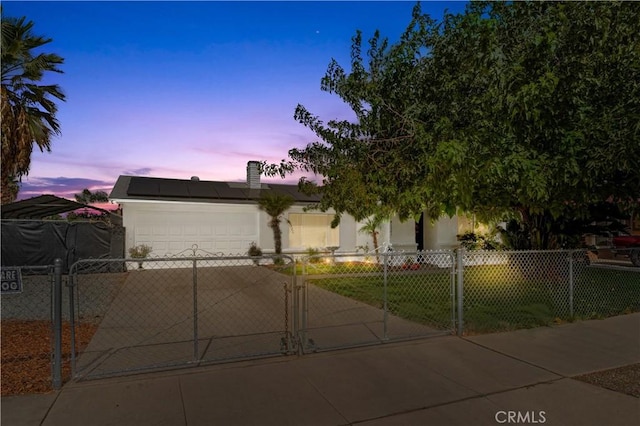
161	189
42	206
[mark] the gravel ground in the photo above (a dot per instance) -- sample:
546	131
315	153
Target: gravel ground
623	379
26	354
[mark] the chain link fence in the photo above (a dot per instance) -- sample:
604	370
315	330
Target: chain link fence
601	291
351	300
508	290
167	312
117	316
32	331
515	289
32	300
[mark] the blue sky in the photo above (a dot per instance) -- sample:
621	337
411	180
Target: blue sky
176	89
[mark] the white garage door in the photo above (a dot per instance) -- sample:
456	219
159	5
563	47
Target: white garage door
171	232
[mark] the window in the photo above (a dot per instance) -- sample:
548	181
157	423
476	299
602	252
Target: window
312	231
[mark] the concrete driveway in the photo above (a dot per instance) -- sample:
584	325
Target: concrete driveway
242	312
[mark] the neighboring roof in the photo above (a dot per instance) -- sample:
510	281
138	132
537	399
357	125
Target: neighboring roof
160	189
41	206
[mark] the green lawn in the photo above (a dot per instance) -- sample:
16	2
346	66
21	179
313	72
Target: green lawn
497	297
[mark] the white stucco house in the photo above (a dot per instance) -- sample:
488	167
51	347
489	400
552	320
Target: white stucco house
171	215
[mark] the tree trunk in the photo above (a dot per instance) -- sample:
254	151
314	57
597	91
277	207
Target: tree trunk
539	226
277	239
374	235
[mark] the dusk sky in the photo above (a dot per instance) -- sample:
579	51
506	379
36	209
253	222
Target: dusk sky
177	89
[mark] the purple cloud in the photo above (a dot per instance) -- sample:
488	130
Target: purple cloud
143	171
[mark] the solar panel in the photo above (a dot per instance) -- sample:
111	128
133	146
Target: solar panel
173	188
143	186
176	188
226	192
202	189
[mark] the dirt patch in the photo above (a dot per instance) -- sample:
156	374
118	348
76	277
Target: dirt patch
623	379
26	354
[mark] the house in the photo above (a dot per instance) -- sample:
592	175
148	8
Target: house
173	215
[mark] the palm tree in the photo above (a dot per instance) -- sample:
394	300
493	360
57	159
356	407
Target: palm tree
10	190
275	205
370	227
28	110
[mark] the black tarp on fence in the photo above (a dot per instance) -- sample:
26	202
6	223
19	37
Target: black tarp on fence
37	242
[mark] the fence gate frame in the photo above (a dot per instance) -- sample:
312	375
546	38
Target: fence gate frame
287	342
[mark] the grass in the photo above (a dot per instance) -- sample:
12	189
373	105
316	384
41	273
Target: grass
323	268
496	297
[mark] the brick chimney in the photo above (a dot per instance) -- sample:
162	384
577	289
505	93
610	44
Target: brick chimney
253	175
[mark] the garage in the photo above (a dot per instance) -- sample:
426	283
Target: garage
170	229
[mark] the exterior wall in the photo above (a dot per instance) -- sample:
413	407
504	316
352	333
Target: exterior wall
167	240
202	216
430	235
265	240
348	234
447	231
442	234
403	235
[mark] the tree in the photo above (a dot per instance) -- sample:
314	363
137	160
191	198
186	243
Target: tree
28	108
371	226
275	205
557	100
88	197
10	190
523	110
368	166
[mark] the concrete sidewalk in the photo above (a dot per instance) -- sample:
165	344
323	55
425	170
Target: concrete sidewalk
518	377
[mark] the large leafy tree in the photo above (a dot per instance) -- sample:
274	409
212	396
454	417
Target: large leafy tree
529	109
28	107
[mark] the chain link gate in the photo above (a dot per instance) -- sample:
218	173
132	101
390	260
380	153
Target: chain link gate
363	299
160	313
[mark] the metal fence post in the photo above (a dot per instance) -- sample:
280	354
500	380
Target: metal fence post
72	321
295	307
305	307
195	309
460	289
571	284
56	365
386	308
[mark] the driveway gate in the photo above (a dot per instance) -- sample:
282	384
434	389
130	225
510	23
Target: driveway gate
170	312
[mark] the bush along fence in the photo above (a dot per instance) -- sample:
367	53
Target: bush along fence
130	315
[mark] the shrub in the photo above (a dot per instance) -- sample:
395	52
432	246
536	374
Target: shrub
140	251
313	255
254	250
473	241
